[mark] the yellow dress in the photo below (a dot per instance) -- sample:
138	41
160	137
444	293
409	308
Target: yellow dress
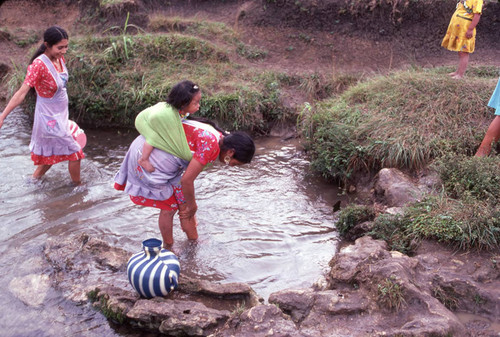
455	39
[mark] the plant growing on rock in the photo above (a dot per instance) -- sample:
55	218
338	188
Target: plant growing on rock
353	215
391	294
446	295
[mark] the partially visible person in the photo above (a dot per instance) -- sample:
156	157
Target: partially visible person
493	132
461	33
51	138
182	149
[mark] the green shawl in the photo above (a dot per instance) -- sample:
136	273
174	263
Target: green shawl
161	125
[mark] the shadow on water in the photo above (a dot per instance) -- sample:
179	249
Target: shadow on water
268	224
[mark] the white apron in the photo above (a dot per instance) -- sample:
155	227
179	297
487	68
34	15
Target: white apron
51	134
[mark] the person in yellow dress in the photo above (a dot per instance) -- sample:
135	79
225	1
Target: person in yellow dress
461	33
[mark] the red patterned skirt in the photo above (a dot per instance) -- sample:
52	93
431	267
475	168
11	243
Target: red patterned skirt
169	204
42	160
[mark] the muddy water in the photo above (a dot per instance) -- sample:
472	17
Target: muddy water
268	224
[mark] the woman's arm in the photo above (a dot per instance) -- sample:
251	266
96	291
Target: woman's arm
473	24
187	182
15	101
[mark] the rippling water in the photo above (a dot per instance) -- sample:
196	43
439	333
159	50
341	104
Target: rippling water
268	224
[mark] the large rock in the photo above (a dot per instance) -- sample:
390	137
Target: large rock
30	289
368	291
377	290
394	189
258	321
87	268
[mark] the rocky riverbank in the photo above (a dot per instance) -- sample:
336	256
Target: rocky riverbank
369	290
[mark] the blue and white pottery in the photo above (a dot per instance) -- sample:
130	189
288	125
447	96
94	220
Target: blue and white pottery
154	271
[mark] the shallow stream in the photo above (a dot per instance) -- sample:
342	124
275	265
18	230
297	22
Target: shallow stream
268	224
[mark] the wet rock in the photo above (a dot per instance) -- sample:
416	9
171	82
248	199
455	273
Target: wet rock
359	230
176	317
30	289
401	301
395	189
87	268
368	291
302	304
230	291
261	320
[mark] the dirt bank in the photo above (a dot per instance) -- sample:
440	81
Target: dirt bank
326	37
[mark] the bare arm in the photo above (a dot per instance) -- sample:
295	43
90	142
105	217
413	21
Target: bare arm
187	182
14	102
473	24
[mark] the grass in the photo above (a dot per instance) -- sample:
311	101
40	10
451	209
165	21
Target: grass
238	309
447	296
391	294
353	215
115	77
465	215
403	120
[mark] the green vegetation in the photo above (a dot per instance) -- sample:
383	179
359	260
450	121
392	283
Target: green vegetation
403	120
102	302
392	229
411	120
447	296
115	77
465	215
353	215
238	309
391	294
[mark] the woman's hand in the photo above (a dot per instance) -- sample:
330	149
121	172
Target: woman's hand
470	31
187	211
16	100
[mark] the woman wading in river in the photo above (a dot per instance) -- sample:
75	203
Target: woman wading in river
51	139
180	148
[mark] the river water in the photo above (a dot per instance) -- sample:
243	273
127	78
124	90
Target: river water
268	224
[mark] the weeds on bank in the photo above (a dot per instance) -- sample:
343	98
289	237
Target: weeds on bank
447	296
238	309
207	30
402	120
110	85
391	294
392	229
353	215
466	214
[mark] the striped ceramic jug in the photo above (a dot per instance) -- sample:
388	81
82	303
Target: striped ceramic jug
154	271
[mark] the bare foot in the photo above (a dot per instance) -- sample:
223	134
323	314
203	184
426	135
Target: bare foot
452	74
146	165
457	76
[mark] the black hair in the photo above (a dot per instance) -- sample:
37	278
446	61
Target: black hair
182	94
53	35
242	144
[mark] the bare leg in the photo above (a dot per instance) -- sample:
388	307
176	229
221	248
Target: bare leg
144	159
166	224
189	225
74	171
492	136
463	60
40	171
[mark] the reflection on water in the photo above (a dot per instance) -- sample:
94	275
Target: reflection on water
267	224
